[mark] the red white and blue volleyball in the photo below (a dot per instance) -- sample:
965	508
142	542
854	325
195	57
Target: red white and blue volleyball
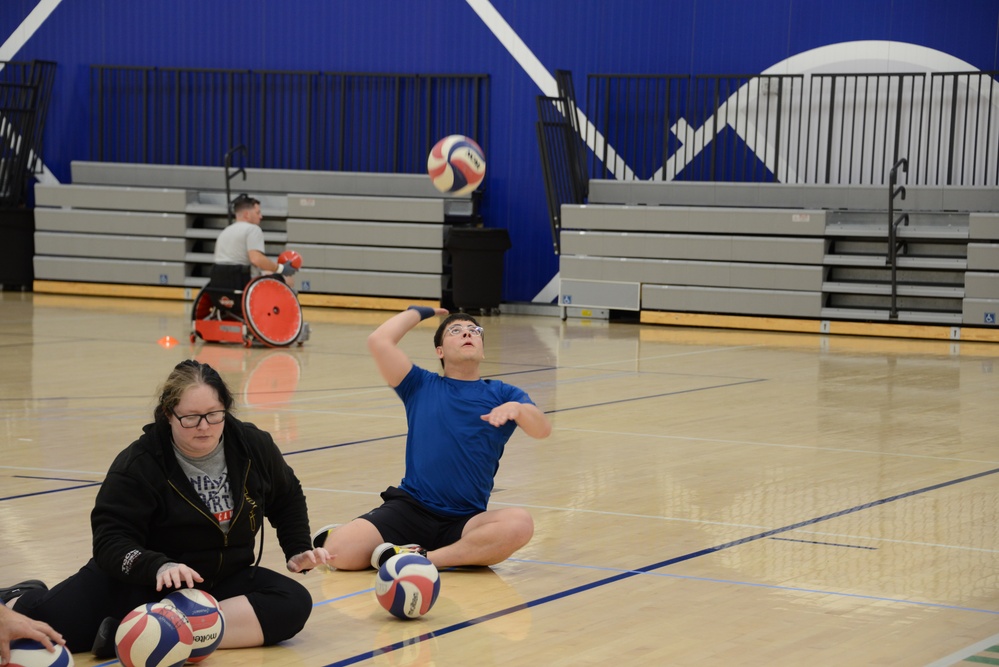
154	635
456	165
29	653
206	619
407	585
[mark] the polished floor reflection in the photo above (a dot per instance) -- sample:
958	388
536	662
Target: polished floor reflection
706	497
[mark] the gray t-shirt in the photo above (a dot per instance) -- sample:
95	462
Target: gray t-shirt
210	479
235	242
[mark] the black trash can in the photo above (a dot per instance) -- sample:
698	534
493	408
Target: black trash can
17	237
477	266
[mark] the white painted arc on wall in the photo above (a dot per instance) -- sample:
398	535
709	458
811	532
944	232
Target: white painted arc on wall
869	56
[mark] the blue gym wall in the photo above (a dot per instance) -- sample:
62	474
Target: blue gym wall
448	36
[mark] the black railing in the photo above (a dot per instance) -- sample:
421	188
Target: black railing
894	247
556	140
845	129
328	121
575	149
25	91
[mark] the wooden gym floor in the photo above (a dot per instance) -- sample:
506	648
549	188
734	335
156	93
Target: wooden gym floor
707	497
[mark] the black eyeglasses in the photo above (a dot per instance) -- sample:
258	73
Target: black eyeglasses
193	421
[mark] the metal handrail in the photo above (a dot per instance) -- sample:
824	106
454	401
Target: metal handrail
229	176
893	222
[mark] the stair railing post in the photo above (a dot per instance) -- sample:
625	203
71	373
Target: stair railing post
892	234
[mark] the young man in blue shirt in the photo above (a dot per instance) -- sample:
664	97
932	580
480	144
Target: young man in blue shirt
458	427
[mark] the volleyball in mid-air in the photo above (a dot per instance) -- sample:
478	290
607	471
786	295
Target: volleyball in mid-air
407	585
456	165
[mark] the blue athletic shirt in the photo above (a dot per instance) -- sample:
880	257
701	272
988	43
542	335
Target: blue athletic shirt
452	454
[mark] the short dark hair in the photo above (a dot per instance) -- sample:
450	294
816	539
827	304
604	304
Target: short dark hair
242	202
448	321
190	373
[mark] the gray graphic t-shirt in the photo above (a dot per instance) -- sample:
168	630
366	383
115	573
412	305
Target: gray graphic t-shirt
210	480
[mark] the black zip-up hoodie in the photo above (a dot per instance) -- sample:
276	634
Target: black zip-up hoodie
147	513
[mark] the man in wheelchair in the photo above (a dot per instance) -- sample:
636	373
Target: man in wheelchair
239	249
273	315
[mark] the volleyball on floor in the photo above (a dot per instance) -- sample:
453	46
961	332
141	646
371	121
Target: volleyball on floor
206	619
456	165
154	635
407	585
29	653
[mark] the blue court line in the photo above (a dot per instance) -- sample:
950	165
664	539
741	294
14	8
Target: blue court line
343	597
345	444
42	493
54	479
825	544
367	655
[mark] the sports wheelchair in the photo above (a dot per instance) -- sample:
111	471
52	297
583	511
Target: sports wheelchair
266	310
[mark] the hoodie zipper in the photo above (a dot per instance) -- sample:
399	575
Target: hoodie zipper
225	536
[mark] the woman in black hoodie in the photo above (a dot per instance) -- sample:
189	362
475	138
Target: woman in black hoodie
181	507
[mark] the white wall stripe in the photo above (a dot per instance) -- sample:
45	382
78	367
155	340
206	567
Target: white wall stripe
544	80
29	26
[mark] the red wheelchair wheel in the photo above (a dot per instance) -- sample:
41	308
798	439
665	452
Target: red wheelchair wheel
273	314
202	306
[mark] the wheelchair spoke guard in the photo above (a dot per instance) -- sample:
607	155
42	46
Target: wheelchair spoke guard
271	311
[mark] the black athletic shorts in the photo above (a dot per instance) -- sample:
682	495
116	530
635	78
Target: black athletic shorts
401	519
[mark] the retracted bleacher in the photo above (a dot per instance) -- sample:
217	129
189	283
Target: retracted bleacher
364	237
775	250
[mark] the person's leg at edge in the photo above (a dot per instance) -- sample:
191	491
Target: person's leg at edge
488	538
351	544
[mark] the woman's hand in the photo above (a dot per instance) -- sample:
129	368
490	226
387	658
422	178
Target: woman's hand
174	575
307	560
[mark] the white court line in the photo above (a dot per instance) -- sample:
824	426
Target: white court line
835	450
702	522
954	658
632	360
726	524
50	471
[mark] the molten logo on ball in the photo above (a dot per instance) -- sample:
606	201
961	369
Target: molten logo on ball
407	585
206	619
